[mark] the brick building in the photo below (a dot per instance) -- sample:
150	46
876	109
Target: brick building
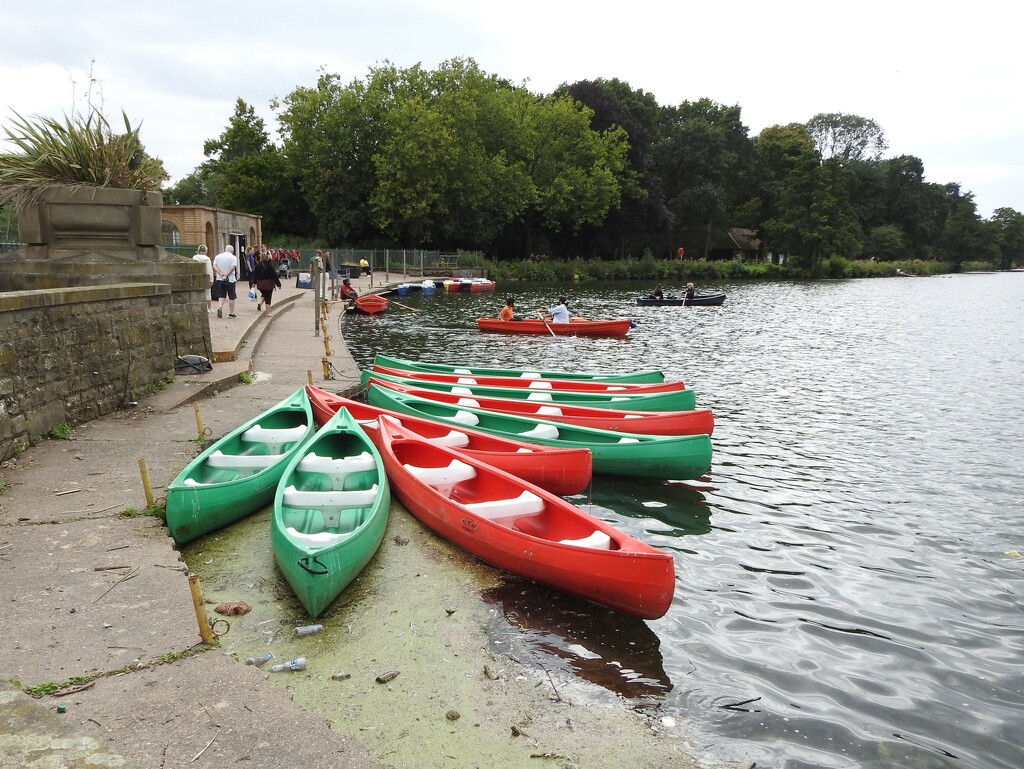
195	225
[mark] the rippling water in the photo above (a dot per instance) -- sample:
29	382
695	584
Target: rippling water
847	590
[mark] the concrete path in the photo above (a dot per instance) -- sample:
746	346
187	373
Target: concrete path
97	610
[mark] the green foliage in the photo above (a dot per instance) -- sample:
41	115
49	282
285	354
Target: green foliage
75	151
3	484
129	512
60	432
245	377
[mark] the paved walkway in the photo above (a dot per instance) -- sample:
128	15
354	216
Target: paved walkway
96	599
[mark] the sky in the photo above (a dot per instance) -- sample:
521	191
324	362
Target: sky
943	80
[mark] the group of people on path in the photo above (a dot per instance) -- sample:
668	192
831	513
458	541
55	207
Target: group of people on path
222	274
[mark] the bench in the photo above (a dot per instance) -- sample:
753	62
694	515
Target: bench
448	261
293	497
253	462
337	469
598	541
274	438
443	478
454	438
526	503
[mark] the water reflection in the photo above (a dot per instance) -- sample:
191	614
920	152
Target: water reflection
558	632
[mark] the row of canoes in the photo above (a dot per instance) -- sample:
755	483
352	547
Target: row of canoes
485	471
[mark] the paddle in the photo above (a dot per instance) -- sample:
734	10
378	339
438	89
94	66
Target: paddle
545	322
403	305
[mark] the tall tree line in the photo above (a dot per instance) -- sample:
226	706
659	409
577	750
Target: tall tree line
456	158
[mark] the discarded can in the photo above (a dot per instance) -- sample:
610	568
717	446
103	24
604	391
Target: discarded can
257	661
299	663
62	708
383	678
308	629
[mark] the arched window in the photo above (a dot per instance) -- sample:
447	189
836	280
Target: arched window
170	234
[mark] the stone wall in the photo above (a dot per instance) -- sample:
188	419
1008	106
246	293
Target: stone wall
72	355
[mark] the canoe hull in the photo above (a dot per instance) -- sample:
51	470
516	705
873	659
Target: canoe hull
671	400
573	385
666	457
321	546
208	495
700	300
695	422
471	370
562	471
618	327
626	575
371	304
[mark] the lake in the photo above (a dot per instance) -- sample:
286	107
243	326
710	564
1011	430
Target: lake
849	588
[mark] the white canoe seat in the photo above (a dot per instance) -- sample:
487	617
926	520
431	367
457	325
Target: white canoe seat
539	396
633	416
320	539
529	375
466	380
462	371
443	478
524	450
539	385
547	432
616	398
460	391
293	497
251	462
274	437
454	438
615	388
472	403
466	418
629	440
526	503
337	469
598	541
550	410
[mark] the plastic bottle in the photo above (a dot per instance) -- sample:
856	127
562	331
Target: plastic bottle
308	629
257	661
299	663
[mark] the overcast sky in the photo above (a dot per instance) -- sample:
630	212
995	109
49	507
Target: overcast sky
943	80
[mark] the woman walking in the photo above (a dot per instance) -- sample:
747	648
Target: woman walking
266	281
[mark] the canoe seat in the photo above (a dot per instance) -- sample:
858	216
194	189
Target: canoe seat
274	437
526	503
530	375
470	402
461	371
466	380
552	410
616	398
320	539
443	478
524	450
293	497
539	396
460	391
598	541
616	388
539	384
629	440
337	469
251	462
454	438
547	432
466	418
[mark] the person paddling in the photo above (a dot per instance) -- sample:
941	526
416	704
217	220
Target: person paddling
560	312
507	312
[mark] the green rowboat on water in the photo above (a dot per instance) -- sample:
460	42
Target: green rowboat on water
471	370
238	474
670	400
669	457
330	512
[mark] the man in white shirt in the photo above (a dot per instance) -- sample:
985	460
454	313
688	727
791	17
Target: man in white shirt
560	312
204	260
225	272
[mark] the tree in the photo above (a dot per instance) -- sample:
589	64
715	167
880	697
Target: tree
964	237
1008	226
846	137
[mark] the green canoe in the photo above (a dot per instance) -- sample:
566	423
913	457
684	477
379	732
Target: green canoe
237	475
670	457
471	370
330	512
670	400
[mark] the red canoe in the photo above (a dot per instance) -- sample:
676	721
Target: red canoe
566	385
696	422
371	304
576	327
559	470
523	529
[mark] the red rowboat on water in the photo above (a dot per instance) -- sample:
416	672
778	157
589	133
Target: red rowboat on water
370	304
696	422
576	327
523	529
562	471
567	385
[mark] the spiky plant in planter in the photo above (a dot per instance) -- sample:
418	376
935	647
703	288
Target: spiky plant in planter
74	152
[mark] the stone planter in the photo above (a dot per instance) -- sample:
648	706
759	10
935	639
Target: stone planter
71	221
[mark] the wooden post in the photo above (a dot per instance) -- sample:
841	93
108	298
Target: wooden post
199	422
145	483
205	631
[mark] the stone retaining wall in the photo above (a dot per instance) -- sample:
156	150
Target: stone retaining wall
75	354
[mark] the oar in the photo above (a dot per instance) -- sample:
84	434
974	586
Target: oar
403	305
544	321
